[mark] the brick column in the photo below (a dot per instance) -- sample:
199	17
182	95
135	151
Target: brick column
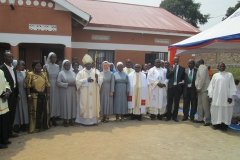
68	53
15	51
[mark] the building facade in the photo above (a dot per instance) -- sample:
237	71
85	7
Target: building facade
106	30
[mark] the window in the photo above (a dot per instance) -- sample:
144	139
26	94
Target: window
101	55
150	57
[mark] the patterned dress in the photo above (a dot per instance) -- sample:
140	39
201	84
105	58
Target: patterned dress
38	104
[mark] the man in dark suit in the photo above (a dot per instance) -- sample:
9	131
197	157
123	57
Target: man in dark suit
190	92
175	76
11	77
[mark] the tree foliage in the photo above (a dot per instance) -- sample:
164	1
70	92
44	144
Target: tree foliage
231	10
187	10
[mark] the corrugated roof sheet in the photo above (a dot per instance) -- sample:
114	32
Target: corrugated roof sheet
129	16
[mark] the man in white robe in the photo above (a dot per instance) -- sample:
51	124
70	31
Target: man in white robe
138	93
88	84
4	111
157	83
220	91
236	104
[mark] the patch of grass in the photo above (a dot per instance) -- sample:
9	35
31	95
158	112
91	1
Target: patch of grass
235	71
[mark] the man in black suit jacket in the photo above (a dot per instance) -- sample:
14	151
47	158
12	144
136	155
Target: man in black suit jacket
11	77
190	92
175	76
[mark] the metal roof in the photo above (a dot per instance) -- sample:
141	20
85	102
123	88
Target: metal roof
130	16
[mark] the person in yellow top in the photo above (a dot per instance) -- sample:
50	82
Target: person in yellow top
37	85
4	118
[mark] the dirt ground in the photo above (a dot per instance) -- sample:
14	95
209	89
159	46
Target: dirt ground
127	140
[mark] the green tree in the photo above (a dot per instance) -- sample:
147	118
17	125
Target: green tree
231	10
187	10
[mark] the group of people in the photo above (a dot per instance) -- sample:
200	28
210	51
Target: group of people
34	100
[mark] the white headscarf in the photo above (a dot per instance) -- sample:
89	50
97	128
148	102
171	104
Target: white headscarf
119	63
106	62
65	61
67	71
49	57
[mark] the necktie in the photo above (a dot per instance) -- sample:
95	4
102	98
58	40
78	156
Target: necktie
190	76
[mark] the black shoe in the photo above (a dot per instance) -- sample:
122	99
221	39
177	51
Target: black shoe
133	117
207	124
65	123
176	120
191	118
140	117
198	121
16	128
168	119
215	127
13	135
54	123
71	122
164	115
3	146
153	117
23	128
224	127
8	142
159	117
184	119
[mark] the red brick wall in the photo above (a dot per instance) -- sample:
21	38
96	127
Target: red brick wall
79	53
17	21
80	35
183	59
135	56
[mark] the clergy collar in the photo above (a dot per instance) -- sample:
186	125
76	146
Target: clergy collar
8	65
87	69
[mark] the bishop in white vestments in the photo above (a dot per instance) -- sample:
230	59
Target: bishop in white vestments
88	84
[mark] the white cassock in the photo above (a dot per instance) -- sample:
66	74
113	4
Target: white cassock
88	96
157	95
221	88
128	70
236	105
138	93
3	86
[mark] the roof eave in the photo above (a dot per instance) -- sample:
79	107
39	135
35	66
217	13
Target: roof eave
116	28
85	16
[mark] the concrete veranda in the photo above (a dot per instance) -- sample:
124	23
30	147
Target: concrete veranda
146	140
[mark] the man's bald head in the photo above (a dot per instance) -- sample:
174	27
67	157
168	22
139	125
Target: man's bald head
158	63
137	67
128	63
8	57
176	60
191	63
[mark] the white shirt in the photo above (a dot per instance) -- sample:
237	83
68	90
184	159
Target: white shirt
10	69
177	67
